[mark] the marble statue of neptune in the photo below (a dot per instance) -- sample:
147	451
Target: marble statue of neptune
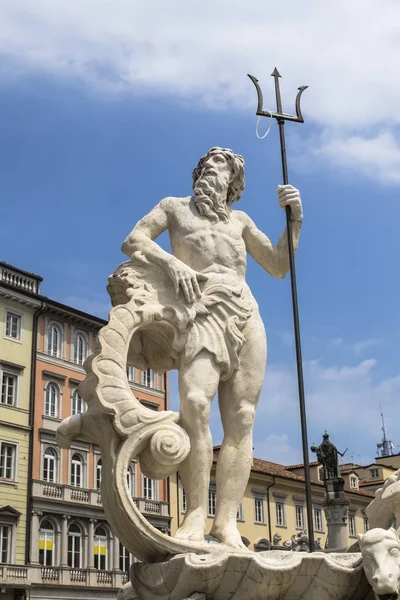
226	344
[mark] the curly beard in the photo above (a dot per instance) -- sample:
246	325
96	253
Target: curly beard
210	197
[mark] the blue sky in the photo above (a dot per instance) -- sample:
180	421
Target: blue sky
106	107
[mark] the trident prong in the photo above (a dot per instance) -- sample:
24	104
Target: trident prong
279	114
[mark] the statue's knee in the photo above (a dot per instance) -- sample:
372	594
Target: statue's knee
196	410
244	420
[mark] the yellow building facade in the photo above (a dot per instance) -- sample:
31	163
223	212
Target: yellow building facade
273	510
17	317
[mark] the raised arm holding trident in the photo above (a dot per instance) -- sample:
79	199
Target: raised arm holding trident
226	346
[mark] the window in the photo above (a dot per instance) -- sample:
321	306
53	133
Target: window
374	473
5	543
50	465
9	383
149	488
54	341
8	453
318	523
78	404
148	378
321	474
131	479
125	559
46	543
74	546
353	482
240	513
13	326
80	348
352	525
259	510
212	498
366	525
100	549
76	470
99	467
51	406
280	513
131	374
184	501
299	508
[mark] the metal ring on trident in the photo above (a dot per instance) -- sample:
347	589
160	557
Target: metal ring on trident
281	117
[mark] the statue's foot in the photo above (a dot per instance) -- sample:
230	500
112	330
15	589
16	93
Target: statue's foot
192	528
228	535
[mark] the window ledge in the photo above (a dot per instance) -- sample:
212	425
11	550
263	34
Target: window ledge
11	482
258	523
281	526
11	339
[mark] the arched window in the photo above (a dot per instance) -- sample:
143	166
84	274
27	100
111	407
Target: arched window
131	479
78	404
99	467
50	465
74	546
52	401
80	348
76	470
100	548
54	341
46	543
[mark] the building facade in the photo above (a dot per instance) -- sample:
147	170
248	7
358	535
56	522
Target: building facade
66	543
18	316
273	510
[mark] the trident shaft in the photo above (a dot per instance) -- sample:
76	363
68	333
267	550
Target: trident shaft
281	117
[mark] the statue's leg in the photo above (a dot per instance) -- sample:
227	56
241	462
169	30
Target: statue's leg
238	399
198	383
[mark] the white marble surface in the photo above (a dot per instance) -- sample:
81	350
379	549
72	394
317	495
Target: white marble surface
273	575
380	549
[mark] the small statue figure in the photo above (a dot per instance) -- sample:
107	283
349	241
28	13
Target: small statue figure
277	539
327	456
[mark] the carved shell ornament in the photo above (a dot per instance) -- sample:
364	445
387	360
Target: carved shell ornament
147	327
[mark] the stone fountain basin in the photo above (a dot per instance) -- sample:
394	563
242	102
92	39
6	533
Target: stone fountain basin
272	575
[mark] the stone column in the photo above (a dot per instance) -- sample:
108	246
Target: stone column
35	537
90	557
336	507
115	553
64	541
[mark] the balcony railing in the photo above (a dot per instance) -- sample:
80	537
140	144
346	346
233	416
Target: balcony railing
68	493
21	575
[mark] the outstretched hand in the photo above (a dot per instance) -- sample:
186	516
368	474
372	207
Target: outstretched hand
290	196
186	279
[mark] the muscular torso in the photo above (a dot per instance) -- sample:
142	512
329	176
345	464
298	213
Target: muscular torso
206	246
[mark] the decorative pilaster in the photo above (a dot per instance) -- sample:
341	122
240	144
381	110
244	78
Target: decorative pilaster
35	537
115	553
90	557
64	541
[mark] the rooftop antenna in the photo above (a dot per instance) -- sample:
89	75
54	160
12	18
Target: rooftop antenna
385	446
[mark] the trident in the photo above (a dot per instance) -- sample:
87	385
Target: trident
281	117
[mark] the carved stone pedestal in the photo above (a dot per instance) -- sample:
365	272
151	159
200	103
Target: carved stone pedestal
336	509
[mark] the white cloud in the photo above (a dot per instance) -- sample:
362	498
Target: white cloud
347	52
342	399
336	342
362	345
